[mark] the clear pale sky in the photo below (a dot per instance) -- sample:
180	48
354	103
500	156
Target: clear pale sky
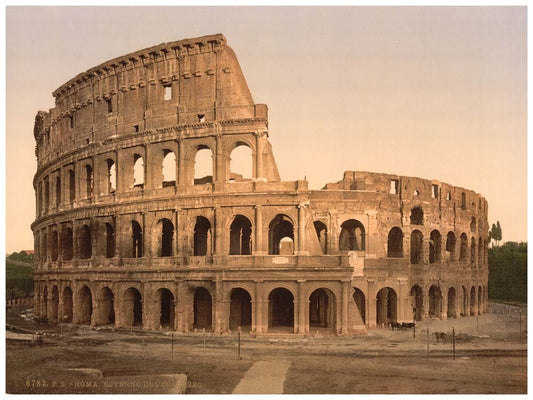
433	92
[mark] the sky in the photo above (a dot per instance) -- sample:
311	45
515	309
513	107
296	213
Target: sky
433	92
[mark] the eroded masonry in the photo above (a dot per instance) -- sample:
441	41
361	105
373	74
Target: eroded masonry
127	233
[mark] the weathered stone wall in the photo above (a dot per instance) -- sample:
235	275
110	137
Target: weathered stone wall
190	253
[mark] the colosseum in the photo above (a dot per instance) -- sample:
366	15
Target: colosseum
128	235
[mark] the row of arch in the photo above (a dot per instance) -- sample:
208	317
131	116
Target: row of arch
240	168
128	309
395	247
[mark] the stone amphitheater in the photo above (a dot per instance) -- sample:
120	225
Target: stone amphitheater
127	234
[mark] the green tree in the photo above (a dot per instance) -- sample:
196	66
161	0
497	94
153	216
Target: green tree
508	272
495	233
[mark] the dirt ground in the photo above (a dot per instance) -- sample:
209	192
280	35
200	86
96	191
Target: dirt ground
491	357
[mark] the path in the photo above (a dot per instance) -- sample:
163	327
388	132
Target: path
264	377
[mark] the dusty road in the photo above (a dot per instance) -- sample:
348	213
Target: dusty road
491	358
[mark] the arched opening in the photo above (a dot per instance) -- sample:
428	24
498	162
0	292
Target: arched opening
417	216
435	302
54	304
463	249
169	169
67	305
240	313
89	180
66	244
466	311
132	307
202	237
85	306
111	176
241	163
417	302
166	229
202	309
166	309
473	301
417	241
107	307
281	227
451	303
322	312
479	301
84	244
322	235
352	237
46	194
44	251
281	309
54	250
137	237
58	191
450	246
386	306
473	224
71	185
434	247
138	171
203	166
360	303
473	251
395	243
110	241
240	236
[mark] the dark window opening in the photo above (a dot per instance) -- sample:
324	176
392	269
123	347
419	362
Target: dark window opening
435	302
110	241
473	251
417	240
202	237
240	236
395	243
450	245
136	128
167	237
463	201
281	236
473	224
417	302
201	117
85	306
107	307
240	314
137	237
58	191
281	309
85	245
132	307
352	237
435	191
166	317
434	247
451	312
66	244
417	216
462	250
386	306
360	303
322	309
89	179
322	235
46	194
71	121
54	250
109	106
202	309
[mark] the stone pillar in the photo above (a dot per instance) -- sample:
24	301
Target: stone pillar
219	169
405	310
302	327
218	302
181	175
344	307
258	307
217	226
301	230
425	302
444	305
259	173
259	230
372	304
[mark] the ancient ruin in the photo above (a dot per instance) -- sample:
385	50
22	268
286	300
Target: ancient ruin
127	233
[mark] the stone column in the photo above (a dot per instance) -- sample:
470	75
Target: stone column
372	304
258	307
301	230
259	230
218	307
259	173
344	307
182	165
302	303
404	307
217	226
444	305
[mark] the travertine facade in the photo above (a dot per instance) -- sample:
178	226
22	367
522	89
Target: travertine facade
122	239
